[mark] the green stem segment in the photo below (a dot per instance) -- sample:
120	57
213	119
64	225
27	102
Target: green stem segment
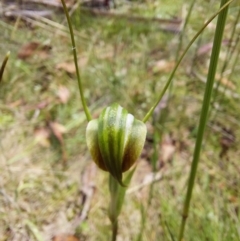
87	113
205	108
147	116
114	208
117	195
4	65
114	230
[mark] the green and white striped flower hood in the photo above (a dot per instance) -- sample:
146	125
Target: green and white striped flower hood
115	140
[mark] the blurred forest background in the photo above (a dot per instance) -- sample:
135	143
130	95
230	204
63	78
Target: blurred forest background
49	187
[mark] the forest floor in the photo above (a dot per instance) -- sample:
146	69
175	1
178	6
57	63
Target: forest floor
49	187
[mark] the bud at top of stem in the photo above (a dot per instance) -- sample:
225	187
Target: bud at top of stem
115	140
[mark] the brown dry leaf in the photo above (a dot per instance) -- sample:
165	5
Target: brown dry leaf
43	52
63	94
82	62
162	66
27	50
228	83
222	185
224	81
42	136
32	48
65	238
69	67
142	170
43	104
57	130
233	199
226	141
167	150
16	103
206	48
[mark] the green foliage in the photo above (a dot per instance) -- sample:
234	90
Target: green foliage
204	112
117	66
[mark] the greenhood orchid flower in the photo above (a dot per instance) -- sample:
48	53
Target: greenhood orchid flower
115	140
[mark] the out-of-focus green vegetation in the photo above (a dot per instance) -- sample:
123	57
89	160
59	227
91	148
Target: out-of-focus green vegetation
45	166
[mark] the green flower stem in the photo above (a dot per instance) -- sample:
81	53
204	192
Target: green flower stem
117	195
114	230
4	65
114	208
87	113
205	108
147	116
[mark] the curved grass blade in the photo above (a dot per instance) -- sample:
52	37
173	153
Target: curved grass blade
4	65
150	112
87	113
204	112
